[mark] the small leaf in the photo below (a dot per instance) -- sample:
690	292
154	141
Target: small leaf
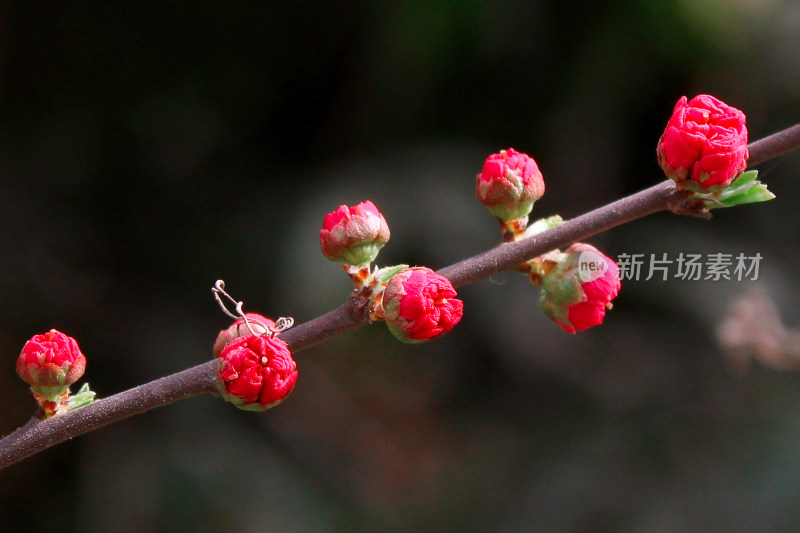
386	273
745	177
84	397
757	193
745	190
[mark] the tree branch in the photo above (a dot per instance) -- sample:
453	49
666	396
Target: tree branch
774	145
38	435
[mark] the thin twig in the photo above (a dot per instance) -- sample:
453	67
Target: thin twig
37	435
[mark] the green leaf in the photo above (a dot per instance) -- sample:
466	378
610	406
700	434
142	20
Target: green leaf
745	190
757	193
745	177
387	273
84	397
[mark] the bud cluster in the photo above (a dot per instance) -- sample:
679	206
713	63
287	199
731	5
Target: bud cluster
703	149
416	303
578	284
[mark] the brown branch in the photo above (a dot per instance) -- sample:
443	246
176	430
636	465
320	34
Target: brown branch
508	255
774	145
348	316
37	435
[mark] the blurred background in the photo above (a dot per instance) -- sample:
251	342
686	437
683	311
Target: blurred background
148	149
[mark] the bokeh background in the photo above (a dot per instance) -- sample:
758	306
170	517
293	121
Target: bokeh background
150	148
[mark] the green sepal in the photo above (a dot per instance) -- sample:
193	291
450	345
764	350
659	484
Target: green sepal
563	287
508	213
253	407
82	398
49	393
556	313
401	334
360	254
386	273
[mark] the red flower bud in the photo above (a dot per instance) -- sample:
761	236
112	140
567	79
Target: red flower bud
256	372
579	289
509	184
704	145
50	363
420	305
354	235
259	324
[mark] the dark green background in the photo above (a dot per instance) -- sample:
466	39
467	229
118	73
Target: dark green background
150	148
